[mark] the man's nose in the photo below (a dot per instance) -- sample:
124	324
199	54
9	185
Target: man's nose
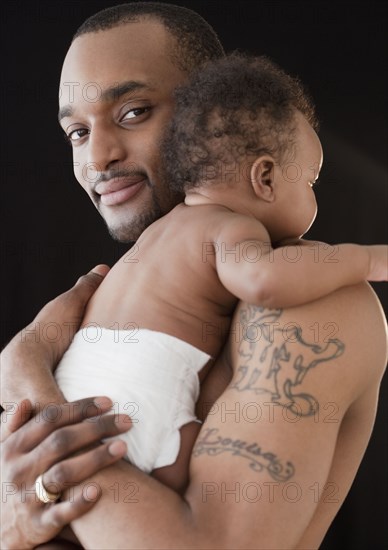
106	147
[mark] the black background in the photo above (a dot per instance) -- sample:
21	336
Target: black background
51	234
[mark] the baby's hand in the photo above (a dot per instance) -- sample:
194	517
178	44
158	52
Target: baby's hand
378	262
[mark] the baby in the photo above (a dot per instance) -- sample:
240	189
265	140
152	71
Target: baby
243	149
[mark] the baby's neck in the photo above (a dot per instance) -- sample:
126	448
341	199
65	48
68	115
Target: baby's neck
203	196
196	198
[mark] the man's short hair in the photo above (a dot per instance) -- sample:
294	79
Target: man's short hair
230	109
195	40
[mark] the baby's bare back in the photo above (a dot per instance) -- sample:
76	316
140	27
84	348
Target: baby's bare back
168	282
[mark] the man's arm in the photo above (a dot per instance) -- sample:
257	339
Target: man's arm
28	362
267	444
288	276
136	511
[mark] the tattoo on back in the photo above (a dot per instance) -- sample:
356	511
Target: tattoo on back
213	444
262	374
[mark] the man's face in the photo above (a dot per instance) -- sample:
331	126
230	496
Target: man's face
115	100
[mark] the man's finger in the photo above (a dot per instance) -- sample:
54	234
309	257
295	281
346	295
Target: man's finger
88	284
72	439
53	416
71	304
74	470
101	269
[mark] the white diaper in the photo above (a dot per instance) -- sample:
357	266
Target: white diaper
149	375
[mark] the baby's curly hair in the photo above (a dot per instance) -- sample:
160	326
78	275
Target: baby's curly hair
230	109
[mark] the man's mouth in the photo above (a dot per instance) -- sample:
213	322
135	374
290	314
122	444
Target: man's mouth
118	190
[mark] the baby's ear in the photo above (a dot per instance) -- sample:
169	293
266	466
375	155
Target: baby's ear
262	178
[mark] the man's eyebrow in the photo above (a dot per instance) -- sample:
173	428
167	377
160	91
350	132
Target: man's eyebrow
110	94
64	112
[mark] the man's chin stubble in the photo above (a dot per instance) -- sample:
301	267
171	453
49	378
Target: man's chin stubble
128	232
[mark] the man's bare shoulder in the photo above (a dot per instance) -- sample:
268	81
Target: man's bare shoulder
354	316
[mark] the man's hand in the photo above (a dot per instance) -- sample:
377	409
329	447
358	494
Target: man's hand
45	444
29	359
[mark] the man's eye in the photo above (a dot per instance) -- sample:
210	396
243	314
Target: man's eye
134	113
75	135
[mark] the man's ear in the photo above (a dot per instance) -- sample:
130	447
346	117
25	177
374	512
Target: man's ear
262	178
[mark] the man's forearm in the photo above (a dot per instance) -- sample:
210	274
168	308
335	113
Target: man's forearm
26	372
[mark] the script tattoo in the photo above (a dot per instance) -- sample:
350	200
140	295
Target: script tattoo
213	444
262	372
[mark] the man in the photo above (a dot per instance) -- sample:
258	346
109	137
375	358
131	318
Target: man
252	441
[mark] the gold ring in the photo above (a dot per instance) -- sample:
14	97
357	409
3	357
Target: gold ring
42	493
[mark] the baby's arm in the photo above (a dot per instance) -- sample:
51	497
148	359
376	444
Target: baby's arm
292	275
